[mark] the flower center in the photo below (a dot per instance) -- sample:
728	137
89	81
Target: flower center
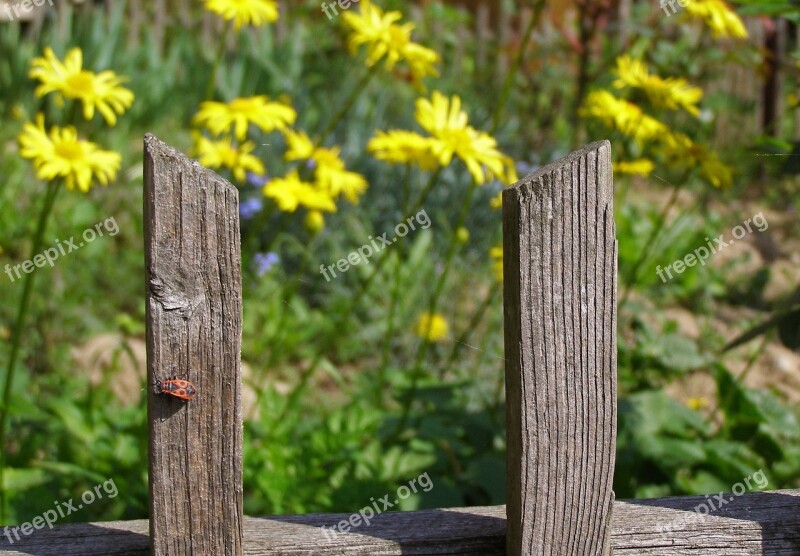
69	150
81	83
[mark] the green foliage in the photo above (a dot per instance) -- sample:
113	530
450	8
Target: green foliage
343	401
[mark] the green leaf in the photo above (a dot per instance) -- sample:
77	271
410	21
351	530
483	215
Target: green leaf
19	480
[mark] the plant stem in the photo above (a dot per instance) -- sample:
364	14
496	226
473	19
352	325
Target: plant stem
52	191
212	82
512	72
424	344
477	317
586	29
633	275
387	340
348	104
339	325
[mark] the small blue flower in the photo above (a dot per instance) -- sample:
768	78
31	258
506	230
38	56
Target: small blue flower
255	179
250	207
311	163
524	168
265	261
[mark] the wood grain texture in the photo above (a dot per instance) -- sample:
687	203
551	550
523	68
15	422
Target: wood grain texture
756	524
194	328
560	342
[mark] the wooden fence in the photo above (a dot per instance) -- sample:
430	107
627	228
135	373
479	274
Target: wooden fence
560	342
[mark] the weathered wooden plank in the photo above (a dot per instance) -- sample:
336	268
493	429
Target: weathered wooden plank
194	327
755	524
560	341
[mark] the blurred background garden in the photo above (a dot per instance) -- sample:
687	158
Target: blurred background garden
337	124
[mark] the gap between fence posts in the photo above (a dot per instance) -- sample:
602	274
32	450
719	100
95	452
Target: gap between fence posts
560	278
194	328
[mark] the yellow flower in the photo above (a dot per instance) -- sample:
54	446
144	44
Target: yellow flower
719	17
639	167
671	93
245	12
404	147
385	38
462	234
68	79
715	171
223	153
291	192
63	155
676	145
331	175
334	179
448	124
697	403
18	112
219	117
624	116
314	221
432	327
421	60
681	149
299	146
496	253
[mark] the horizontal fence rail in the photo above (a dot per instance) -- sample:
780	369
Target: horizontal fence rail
754	524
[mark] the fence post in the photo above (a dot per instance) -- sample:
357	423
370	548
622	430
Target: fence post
194	327
560	261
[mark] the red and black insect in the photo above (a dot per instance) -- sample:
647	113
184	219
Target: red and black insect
179	388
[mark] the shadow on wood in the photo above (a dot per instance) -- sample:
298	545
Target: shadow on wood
114	537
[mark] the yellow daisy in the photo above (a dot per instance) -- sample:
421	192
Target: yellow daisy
448	124
219	117
387	39
298	145
61	154
639	167
722	20
676	145
291	192
333	178
223	153
432	327
68	79
245	12
715	171
421	60
624	116
404	147
671	93
680	149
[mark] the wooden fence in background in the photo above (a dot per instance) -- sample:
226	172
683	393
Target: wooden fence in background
494	32
560	300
